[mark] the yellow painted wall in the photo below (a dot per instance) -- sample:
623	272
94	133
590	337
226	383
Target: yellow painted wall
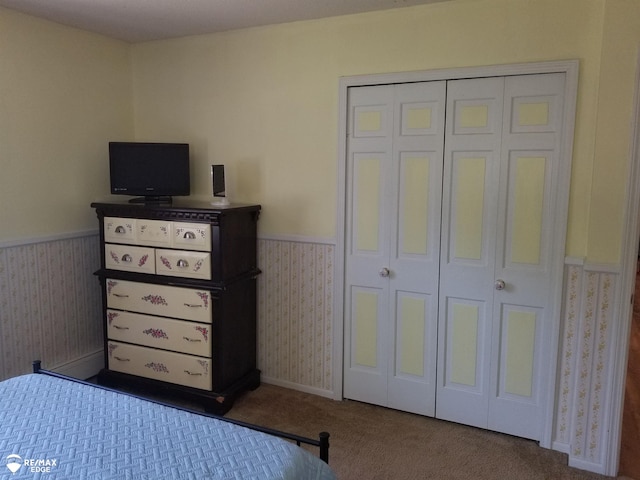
63	93
264	100
621	40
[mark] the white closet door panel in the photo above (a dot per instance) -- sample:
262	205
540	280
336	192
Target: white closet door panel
464	381
517	382
522	329
367	300
449	248
411	379
394	198
469	222
366	367
418	145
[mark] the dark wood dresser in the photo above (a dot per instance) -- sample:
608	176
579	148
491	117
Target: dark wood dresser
179	298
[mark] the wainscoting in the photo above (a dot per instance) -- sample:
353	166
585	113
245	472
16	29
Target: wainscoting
50	309
50	306
295	339
295	314
584	363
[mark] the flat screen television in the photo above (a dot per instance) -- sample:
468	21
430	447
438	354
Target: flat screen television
154	172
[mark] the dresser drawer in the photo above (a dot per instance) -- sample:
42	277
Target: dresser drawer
129	258
160	365
163	300
156	233
180	263
191	236
119	230
159	332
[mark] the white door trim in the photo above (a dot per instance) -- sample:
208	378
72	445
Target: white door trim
570	68
621	329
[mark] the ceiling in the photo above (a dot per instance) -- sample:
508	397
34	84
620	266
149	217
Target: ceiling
143	20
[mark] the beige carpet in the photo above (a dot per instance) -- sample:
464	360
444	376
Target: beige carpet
374	443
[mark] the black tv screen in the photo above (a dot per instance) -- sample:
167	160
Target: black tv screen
154	171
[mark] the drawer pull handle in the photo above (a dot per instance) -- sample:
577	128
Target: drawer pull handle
182	263
118	327
120	359
127	258
191	339
192	373
120	229
120	295
189	235
192	305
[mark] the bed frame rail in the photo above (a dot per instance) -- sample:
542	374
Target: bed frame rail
322	443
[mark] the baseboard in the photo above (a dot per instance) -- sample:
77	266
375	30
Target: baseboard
588	466
560	447
296	386
83	367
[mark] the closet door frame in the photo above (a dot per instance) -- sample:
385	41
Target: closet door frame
570	69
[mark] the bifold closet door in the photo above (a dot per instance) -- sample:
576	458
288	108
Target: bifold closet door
501	160
448	261
395	148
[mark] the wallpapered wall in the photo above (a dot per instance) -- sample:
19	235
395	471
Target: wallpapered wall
50	305
583	387
295	313
50	309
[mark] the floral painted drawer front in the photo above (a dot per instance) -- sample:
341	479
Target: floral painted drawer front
119	230
163	300
130	259
191	236
160	365
177	335
178	263
156	233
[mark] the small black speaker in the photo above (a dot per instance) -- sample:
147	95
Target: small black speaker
218	185
217	180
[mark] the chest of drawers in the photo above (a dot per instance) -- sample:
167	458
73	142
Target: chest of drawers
179	299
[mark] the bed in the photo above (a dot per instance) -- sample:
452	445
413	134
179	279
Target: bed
61	428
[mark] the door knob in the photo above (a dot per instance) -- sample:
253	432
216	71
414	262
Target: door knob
500	285
384	272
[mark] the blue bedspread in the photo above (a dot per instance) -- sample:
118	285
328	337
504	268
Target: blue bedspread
56	429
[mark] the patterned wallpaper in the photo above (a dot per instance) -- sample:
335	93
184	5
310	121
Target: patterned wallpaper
295	312
50	307
583	386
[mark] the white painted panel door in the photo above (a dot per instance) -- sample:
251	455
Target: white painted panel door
395	149
497	288
522	312
469	219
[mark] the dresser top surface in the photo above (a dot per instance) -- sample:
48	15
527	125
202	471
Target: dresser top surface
176	204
